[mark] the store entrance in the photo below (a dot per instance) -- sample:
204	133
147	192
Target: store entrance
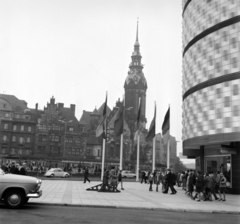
221	163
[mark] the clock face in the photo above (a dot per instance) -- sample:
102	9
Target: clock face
135	78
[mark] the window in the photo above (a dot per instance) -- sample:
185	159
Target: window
28	139
13	138
70	128
12	151
14	127
44	138
70	140
29	128
4	150
4	138
21	140
22	128
56	138
5	126
20	152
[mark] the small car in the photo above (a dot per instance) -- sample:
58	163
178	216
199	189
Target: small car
128	174
56	172
16	190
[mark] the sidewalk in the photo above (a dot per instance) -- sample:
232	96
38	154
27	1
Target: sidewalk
135	196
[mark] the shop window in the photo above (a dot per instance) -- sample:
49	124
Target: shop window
220	164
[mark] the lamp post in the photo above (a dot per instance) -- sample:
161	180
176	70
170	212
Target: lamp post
65	125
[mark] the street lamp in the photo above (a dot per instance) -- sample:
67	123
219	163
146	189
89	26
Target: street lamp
65	124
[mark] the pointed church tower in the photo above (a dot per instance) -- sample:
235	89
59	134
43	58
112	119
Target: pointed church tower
135	86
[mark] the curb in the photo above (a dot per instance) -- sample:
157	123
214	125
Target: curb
134	208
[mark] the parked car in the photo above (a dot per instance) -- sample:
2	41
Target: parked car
15	190
128	174
56	172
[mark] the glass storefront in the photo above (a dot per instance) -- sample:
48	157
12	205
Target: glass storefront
220	163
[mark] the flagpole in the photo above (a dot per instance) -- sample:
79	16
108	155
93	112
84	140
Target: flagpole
168	145
138	145
154	143
104	144
121	146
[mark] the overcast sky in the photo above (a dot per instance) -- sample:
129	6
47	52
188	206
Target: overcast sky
76	50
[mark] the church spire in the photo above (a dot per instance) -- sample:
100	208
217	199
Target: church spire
136	43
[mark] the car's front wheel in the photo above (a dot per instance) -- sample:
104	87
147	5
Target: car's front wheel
14	198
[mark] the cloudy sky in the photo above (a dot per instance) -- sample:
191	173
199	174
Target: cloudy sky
76	50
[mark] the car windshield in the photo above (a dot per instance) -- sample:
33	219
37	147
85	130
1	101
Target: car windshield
1	172
52	169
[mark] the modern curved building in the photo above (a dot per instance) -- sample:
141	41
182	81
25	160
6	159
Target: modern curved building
211	86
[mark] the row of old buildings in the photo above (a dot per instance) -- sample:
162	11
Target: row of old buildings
54	136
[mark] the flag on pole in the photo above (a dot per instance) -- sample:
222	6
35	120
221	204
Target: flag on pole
138	120
152	129
102	126
118	123
166	127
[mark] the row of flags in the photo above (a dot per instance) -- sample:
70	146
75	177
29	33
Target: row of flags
119	122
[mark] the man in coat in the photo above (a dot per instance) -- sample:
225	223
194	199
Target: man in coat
169	182
14	169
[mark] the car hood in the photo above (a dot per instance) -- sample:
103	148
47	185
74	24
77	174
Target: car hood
13	178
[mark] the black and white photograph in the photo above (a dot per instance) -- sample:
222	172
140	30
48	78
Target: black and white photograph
120	111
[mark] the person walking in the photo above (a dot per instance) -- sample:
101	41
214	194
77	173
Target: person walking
169	182
143	177
157	180
22	170
119	179
86	175
208	186
222	187
214	184
150	179
199	186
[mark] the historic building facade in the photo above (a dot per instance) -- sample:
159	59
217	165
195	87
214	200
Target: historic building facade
17	128
211	86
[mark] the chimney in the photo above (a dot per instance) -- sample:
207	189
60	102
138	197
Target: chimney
36	106
73	107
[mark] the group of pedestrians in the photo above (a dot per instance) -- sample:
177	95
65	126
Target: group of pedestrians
14	168
212	184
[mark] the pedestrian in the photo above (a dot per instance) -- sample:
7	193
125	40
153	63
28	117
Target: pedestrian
143	175
22	170
119	179
190	183
148	174
105	180
184	180
150	179
169	182
112	176
208	186
199	186
214	183
157	180
222	187
4	167
14	169
86	175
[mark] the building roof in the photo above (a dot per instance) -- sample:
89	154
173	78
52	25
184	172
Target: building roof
14	102
68	115
100	110
85	118
93	140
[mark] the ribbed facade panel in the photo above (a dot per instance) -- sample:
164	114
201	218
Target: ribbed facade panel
211	109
